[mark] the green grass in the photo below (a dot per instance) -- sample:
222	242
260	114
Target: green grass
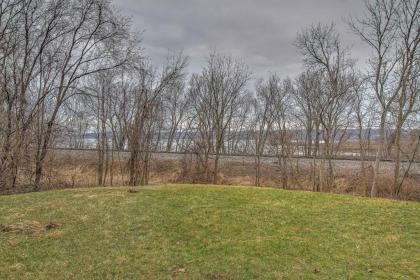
211	232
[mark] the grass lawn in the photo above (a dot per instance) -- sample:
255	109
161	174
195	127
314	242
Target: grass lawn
206	232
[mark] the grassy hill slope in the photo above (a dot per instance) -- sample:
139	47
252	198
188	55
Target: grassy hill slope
206	232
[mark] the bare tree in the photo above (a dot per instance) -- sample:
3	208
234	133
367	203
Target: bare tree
29	28
219	91
175	105
265	110
89	46
322	49
282	138
391	29
377	29
408	48
47	49
364	115
146	105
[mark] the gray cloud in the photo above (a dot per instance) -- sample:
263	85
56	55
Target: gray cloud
260	32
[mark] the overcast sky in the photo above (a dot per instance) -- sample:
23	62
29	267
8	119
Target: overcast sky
261	32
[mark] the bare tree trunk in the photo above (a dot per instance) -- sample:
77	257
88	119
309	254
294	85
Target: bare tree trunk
374	188
111	170
258	170
362	156
216	166
284	170
397	160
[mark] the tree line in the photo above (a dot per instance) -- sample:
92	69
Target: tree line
69	67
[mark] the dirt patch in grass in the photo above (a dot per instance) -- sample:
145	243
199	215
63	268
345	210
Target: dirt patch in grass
30	227
178	271
52	225
132	190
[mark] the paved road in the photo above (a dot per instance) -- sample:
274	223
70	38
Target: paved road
386	166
